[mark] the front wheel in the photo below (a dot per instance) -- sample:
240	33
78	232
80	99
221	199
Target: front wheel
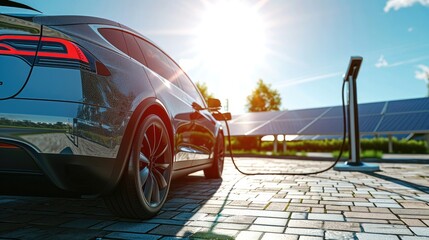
144	187
215	171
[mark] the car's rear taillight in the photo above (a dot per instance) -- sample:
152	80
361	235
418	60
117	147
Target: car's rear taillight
49	47
51	52
8	146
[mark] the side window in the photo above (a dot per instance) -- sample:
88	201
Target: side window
133	48
186	83
167	68
190	88
115	37
157	61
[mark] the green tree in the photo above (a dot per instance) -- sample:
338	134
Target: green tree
263	98
204	91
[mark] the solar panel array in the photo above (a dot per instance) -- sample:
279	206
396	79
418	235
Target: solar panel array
391	117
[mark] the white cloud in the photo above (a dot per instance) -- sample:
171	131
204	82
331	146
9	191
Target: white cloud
398	4
408	61
423	73
381	62
306	79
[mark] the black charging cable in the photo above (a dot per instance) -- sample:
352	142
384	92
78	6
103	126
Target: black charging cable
289	173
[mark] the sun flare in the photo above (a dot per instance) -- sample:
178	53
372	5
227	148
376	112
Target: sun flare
231	37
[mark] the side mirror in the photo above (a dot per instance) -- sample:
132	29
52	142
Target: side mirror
214	103
222	116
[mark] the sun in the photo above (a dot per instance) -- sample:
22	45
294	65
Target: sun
231	37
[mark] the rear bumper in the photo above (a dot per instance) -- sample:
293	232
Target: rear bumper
25	173
74	145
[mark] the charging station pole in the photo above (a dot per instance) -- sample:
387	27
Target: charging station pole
354	124
354	163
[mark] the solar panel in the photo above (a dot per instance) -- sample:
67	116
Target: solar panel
334	126
281	127
368	124
325	126
364	109
266	129
371	108
303	114
409	105
418	121
328	120
257	116
293	127
240	129
336	111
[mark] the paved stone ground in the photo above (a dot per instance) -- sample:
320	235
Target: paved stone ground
391	204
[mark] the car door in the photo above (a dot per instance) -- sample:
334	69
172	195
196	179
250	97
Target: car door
203	128
164	77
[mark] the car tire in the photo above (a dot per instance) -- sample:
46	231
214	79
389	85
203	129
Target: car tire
215	171
144	185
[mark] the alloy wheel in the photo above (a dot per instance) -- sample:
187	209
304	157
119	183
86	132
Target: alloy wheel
154	163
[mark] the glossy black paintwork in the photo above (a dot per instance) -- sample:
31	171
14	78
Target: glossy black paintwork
13	81
64	115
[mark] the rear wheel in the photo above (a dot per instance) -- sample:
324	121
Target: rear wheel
215	171
144	186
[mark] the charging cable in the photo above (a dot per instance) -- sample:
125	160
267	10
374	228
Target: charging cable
290	173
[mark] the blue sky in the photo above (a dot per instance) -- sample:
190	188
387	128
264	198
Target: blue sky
306	44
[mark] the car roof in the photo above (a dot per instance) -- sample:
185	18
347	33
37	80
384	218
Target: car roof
71	19
59	20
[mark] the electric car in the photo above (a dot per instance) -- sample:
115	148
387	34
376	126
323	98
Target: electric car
90	107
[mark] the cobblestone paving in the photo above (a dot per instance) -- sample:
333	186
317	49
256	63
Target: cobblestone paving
391	204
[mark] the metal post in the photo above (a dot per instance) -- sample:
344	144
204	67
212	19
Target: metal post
284	144
354	158
390	143
354	163
275	144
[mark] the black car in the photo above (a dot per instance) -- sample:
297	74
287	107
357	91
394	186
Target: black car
91	108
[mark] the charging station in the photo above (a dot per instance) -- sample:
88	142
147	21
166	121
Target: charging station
354	163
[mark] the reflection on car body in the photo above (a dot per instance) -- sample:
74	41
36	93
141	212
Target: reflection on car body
96	109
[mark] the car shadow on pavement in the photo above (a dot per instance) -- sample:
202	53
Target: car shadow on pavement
211	232
54	218
402	182
188	195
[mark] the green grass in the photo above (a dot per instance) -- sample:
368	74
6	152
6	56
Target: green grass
379	144
302	154
254	152
363	154
269	153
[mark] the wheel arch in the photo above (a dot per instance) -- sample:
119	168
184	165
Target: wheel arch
147	106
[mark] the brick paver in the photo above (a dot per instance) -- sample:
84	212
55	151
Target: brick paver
391	204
